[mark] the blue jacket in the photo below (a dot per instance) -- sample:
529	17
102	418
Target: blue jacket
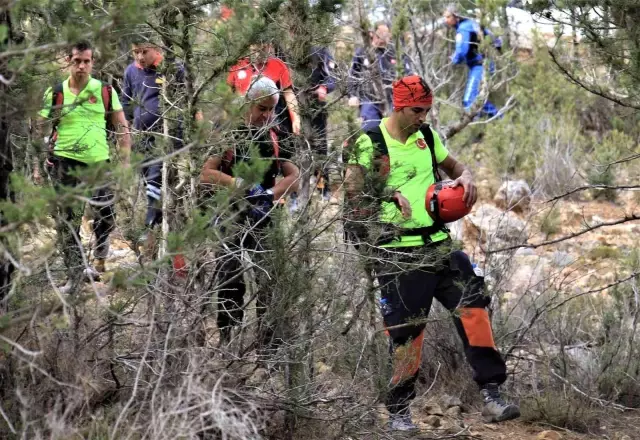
322	66
141	95
360	83
467	43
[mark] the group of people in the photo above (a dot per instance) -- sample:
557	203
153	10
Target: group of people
396	148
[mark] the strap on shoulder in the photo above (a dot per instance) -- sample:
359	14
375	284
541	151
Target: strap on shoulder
425	129
276	146
57	103
57	100
107	90
381	151
377	138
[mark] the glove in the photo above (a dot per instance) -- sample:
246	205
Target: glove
260	210
257	193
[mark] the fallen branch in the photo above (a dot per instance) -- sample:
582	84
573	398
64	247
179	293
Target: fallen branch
628	218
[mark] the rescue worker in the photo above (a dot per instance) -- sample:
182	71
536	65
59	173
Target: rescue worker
80	110
260	195
363	75
261	62
321	83
468	38
141	93
394	165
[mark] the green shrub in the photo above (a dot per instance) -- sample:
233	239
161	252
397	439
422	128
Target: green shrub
615	145
603	252
567	409
551	223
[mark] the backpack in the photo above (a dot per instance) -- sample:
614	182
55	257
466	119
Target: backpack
57	104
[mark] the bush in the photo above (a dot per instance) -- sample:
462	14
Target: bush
567	409
614	146
551	222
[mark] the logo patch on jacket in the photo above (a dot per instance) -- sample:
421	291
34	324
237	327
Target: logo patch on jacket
92	99
422	144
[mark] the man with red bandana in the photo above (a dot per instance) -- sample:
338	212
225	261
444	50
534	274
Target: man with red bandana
261	62
389	172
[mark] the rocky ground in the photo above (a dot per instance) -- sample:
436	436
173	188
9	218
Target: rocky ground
581	263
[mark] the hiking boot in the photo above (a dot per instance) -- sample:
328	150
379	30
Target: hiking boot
293	203
68	288
402	422
147	245
91	274
99	265
495	409
326	194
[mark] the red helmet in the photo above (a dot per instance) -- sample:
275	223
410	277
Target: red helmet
444	203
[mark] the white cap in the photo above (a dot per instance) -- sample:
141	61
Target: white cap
262	88
452	9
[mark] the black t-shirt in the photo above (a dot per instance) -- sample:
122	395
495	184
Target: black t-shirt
269	145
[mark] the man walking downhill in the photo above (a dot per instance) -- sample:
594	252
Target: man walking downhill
142	85
414	259
79	109
261	62
259	194
363	76
321	83
468	38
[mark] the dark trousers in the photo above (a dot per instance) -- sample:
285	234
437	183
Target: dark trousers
231	287
319	140
409	293
64	174
152	178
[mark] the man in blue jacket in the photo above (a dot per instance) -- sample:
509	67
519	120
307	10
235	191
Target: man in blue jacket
321	83
141	90
468	38
363	75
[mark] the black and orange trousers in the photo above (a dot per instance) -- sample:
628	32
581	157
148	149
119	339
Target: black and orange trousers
409	280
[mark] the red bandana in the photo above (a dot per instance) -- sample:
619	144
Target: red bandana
411	91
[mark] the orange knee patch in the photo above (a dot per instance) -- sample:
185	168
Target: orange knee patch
406	359
477	327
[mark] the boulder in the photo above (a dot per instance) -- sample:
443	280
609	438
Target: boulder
433	409
492	225
450	401
513	195
433	421
562	259
454	412
526	273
